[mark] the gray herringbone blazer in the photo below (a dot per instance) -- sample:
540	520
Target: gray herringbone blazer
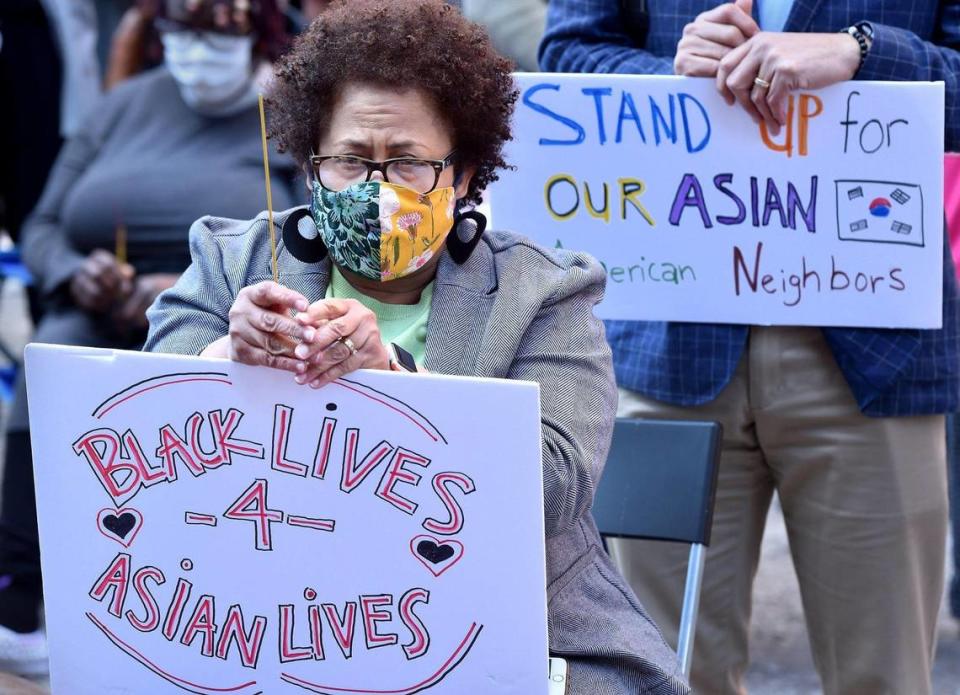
513	311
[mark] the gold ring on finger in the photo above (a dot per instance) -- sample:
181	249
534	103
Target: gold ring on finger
761	83
350	346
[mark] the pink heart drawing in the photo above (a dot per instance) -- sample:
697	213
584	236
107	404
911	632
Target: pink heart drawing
120	525
436	555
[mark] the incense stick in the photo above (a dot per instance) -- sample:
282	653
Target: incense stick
266	176
120	243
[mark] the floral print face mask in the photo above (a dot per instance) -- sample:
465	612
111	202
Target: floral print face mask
380	230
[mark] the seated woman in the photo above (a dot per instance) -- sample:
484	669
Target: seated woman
162	149
399	109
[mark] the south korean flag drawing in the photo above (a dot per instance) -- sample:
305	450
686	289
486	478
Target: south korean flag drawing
882	212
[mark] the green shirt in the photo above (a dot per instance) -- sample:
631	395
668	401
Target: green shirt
403	324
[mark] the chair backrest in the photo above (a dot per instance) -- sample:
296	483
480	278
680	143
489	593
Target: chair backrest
660	481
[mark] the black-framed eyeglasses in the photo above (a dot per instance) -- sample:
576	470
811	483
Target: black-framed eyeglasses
336	172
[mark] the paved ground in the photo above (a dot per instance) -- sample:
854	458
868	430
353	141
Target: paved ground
781	657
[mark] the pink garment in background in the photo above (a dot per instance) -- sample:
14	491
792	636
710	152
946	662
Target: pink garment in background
951	204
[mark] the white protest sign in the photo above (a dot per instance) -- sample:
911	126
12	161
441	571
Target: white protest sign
214	528
698	215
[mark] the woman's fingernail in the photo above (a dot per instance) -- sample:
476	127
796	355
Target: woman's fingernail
315	384
309	334
300	378
302	305
301	351
301	367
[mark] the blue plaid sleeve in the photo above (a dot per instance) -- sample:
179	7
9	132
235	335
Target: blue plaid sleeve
899	54
589	36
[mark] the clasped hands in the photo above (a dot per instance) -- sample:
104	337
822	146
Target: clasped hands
104	285
275	326
759	69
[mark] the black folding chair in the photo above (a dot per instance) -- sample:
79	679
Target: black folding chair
659	484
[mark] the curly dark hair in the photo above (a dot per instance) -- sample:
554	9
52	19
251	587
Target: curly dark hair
422	44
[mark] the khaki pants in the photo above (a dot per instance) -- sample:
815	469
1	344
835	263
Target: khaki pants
865	505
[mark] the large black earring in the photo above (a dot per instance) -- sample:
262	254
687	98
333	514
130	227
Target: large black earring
467	229
302	238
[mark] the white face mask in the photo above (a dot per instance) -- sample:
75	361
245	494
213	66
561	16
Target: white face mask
212	70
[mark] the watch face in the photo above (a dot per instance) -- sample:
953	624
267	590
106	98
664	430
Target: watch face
404	358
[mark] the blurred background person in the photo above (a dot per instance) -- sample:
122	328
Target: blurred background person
515	27
136	44
52	51
845	425
110	230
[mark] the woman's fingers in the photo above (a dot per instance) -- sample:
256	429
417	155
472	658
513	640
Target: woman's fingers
267	321
340	352
248	353
268	294
336	371
258	305
338	359
262	333
324	341
336	354
241	328
336	319
325	310
318	316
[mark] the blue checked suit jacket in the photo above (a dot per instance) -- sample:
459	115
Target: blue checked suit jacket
891	372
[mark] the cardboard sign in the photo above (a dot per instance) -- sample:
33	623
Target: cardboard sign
215	528
698	214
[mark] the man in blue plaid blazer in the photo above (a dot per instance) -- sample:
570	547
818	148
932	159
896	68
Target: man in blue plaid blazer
845	424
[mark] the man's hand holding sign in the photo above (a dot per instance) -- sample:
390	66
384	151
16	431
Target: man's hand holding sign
760	70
